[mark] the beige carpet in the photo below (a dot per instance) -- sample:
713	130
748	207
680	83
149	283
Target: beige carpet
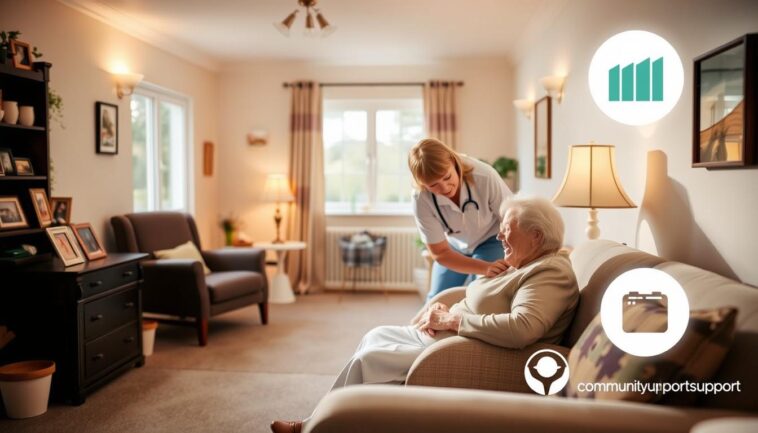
247	375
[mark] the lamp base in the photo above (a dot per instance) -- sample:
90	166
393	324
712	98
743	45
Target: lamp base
278	221
593	231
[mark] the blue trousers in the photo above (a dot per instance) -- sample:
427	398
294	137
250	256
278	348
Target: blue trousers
443	278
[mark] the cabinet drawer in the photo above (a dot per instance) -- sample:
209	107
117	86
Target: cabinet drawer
107	314
110	349
106	279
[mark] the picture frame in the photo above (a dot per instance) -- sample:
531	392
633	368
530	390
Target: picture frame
89	241
23	167
12	214
41	206
208	158
543	152
725	105
22	55
65	245
61	210
6	160
106	128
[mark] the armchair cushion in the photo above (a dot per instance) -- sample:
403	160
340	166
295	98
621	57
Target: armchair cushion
224	286
186	250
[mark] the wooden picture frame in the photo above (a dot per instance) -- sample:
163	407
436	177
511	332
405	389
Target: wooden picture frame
89	241
6	160
208	158
12	214
106	128
543	152
65	245
41	206
23	167
22	55
725	105
61	210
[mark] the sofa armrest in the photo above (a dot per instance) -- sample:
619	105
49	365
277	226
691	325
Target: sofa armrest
447	297
236	259
461	362
176	287
390	408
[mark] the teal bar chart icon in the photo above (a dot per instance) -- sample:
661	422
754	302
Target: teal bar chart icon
633	82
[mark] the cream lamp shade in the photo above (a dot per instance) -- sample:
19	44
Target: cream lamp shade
592	182
277	189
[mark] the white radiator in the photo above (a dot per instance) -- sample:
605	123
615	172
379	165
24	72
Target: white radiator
400	258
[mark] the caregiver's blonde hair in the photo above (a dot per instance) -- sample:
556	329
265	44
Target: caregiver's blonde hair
429	160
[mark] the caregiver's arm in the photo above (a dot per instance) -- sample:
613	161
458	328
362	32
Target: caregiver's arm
453	260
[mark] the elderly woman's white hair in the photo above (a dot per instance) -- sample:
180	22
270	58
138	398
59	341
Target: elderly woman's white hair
537	214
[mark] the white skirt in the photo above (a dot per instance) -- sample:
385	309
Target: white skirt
385	355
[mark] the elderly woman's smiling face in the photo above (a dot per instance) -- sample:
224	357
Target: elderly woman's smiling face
520	246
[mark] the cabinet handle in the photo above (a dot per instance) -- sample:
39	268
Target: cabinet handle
96	284
97	317
129	304
129	340
98	357
127	274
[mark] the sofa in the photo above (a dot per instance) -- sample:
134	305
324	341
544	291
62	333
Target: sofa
461	385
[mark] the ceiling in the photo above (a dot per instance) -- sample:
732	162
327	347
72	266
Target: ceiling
369	32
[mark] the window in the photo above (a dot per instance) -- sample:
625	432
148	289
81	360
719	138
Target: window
160	150
366	144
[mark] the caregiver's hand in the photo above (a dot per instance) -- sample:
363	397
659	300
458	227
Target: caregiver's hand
496	268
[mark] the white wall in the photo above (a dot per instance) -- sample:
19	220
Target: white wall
705	218
83	51
252	97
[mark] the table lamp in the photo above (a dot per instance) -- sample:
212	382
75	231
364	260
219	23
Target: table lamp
591	182
277	190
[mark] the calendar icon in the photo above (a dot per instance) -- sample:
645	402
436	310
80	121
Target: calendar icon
634	298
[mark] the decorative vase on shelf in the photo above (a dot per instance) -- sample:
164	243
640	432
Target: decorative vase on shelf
11	112
26	115
229	237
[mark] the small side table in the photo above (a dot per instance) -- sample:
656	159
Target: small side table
281	289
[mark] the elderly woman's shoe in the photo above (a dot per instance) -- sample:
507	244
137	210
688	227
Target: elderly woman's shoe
286	426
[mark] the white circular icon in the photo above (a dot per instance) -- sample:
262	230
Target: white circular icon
651	287
636	77
546	372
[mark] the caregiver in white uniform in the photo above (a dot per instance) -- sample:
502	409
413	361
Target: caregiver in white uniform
457	210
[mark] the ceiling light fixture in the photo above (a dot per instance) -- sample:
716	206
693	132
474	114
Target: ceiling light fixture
324	29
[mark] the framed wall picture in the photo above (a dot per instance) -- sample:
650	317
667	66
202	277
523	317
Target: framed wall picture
208	158
11	214
725	109
65	245
41	206
22	54
61	207
23	167
6	160
91	245
543	138
106	128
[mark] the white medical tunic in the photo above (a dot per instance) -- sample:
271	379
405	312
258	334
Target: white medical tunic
469	228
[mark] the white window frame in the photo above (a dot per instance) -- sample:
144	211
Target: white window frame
371	106
158	94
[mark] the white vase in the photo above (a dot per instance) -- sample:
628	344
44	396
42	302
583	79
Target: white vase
11	112
26	115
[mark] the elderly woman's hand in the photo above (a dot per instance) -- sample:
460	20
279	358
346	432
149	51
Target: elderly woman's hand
496	268
438	320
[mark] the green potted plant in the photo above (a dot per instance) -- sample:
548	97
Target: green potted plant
507	168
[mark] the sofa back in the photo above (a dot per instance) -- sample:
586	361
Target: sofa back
597	263
147	232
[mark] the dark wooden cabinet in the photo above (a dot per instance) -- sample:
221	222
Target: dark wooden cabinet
87	318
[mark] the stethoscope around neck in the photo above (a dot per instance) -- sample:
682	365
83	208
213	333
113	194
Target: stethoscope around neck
468	201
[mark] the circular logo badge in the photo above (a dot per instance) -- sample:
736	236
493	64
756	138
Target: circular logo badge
546	372
644	312
636	77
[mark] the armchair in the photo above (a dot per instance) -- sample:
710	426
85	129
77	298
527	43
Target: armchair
180	288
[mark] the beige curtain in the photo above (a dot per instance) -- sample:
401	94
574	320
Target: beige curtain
306	222
440	112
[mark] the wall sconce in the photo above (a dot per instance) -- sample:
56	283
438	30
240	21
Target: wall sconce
553	85
126	82
525	106
257	137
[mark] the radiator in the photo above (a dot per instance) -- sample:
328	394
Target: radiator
400	258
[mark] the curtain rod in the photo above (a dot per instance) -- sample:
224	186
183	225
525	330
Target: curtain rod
286	85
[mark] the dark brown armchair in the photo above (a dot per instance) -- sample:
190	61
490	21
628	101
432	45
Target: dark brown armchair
180	287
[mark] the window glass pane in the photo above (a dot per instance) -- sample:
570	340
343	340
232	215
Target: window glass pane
396	132
141	116
345	153
172	160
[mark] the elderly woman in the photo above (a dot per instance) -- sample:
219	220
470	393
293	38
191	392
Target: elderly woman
530	298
